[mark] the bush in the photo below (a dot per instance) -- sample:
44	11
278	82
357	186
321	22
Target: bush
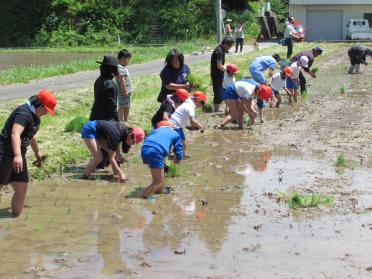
76	124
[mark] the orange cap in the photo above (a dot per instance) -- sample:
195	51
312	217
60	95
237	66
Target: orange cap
288	71
265	92
200	96
48	99
164	123
232	69
139	135
182	94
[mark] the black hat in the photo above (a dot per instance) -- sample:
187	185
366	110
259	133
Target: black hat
109	61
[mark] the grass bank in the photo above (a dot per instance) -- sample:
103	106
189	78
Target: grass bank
141	54
66	148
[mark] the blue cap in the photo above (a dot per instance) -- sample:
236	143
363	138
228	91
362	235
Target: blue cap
319	50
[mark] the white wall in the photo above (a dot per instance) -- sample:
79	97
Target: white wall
349	11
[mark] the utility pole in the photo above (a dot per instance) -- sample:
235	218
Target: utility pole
218	21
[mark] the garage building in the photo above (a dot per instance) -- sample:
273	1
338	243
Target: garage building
327	19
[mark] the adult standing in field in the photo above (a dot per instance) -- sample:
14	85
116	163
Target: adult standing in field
261	64
218	69
18	133
174	74
311	55
228	28
239	37
106	92
290	36
358	55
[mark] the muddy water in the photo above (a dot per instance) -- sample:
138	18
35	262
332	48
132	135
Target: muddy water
222	219
17	60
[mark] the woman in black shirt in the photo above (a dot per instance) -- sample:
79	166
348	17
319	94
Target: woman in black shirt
18	133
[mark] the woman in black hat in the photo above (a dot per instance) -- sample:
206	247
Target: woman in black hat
105	92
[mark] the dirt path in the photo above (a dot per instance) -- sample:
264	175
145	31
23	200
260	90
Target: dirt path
222	219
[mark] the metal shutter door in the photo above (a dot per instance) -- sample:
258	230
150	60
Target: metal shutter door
323	25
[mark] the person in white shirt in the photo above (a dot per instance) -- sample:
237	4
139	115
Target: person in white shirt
278	82
292	83
289	36
184	115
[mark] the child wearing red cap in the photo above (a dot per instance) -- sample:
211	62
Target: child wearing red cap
154	149
278	82
184	115
240	97
169	105
228	79
18	133
106	135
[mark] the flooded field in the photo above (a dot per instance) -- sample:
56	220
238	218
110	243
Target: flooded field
222	219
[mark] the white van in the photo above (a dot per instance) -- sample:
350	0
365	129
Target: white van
358	29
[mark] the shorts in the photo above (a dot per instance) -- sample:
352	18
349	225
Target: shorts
291	84
276	92
181	133
258	76
124	102
89	130
7	174
260	103
152	157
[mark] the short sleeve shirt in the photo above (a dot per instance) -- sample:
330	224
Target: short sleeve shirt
123	71
289	30
181	117
218	54
23	116
277	82
245	88
308	53
296	70
169	75
263	63
228	80
113	132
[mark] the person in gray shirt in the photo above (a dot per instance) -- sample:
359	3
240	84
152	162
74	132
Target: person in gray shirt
239	37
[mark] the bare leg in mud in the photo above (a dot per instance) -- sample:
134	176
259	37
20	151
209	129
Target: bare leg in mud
156	186
18	200
97	156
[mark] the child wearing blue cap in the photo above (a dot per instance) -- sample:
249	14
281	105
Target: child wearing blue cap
155	148
261	64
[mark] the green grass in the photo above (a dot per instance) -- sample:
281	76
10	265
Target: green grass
76	124
341	161
67	149
296	200
174	170
139	55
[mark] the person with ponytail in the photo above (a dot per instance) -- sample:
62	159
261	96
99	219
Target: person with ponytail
18	133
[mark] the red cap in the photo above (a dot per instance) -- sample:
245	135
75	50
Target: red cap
164	123
139	135
48	99
288	71
265	92
232	69
182	94
200	96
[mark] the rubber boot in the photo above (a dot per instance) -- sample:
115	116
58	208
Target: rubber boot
351	69
357	67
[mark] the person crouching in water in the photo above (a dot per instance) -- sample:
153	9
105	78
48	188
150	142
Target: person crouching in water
228	79
241	95
279	81
358	55
155	148
107	135
18	133
170	104
184	115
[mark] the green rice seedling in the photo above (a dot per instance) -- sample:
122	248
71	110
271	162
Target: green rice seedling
314	70
342	89
296	200
341	161
207	108
239	76
76	124
305	96
197	83
174	170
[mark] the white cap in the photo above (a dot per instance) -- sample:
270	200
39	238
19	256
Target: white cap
304	60
229	20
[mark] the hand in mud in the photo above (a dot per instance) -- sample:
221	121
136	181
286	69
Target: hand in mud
366	63
122	178
175	160
312	74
